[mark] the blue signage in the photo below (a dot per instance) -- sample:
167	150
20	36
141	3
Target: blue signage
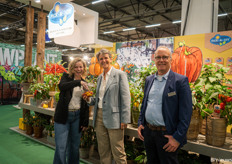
60	13
220	40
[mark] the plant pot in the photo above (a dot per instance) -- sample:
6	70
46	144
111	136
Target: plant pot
38	102
131	162
29	129
202	126
194	129
26	88
38	132
32	101
135	116
216	131
84	153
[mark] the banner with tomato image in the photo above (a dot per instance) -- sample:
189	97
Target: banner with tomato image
187	61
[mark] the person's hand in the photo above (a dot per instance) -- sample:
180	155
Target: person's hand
140	128
172	144
123	126
83	128
86	98
85	85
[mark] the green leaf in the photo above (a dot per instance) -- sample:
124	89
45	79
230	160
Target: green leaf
212	79
213	95
207	86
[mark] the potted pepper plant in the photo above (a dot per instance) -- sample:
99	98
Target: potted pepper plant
213	81
28	121
40	122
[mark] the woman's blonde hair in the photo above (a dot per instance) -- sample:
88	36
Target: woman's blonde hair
71	66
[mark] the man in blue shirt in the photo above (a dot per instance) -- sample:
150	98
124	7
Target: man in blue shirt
165	112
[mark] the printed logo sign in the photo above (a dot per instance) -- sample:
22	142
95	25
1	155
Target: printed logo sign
61	20
220	40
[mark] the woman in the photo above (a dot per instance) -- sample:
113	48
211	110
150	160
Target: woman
71	115
111	110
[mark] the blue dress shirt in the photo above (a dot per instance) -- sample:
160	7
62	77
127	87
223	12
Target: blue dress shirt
153	113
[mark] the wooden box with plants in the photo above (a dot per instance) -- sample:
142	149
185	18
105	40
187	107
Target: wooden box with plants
212	82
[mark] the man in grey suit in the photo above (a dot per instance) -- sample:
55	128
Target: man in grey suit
111	110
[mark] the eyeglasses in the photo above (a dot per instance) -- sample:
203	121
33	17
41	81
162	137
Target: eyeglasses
161	57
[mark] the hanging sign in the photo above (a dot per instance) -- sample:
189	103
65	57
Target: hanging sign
61	20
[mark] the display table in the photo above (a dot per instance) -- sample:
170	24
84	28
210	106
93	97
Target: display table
198	146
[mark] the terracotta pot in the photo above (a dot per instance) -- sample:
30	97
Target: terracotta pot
29	129
38	132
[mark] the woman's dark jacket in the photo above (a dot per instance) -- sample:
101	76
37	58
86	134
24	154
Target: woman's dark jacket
66	86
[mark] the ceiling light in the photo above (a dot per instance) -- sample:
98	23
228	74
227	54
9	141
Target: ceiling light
37	1
73	49
152	25
64	50
22	45
178	21
221	15
108	32
71	58
94	2
86	57
83	14
127	29
6	28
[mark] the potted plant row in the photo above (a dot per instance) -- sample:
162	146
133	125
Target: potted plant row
207	89
35	124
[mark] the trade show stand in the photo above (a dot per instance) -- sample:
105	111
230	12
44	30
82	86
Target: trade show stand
197	146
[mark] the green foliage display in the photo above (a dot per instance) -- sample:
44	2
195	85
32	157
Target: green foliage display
52	80
29	73
29	120
57	96
211	82
40	120
40	91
